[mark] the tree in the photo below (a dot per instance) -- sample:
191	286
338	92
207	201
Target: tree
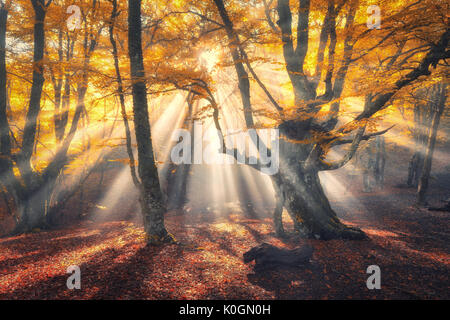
151	199
438	98
28	194
422	123
121	92
31	187
5	142
297	184
328	58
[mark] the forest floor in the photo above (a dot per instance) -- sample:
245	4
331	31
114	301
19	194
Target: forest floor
410	245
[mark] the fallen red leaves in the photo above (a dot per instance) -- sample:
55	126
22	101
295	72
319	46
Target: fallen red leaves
207	262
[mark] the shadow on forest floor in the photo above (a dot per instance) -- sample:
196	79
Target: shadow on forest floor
410	245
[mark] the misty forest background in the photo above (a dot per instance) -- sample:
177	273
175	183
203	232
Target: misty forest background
91	93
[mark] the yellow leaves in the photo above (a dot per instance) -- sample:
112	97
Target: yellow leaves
125	161
295	141
372	125
230	228
178	3
40	165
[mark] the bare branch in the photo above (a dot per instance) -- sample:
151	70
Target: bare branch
364	137
323	165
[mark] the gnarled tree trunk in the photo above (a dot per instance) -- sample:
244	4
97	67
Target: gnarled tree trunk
297	185
304	198
31	201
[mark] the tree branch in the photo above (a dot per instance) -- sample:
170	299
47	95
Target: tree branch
364	137
437	52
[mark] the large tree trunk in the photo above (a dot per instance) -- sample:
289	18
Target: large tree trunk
31	200
304	198
151	198
33	190
310	209
30	204
32	211
438	101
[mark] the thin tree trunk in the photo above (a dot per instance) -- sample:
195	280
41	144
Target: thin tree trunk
64	117
5	142
422	122
380	162
151	198
62	99
438	108
242	75
413	167
279	205
178	176
120	91
57	85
